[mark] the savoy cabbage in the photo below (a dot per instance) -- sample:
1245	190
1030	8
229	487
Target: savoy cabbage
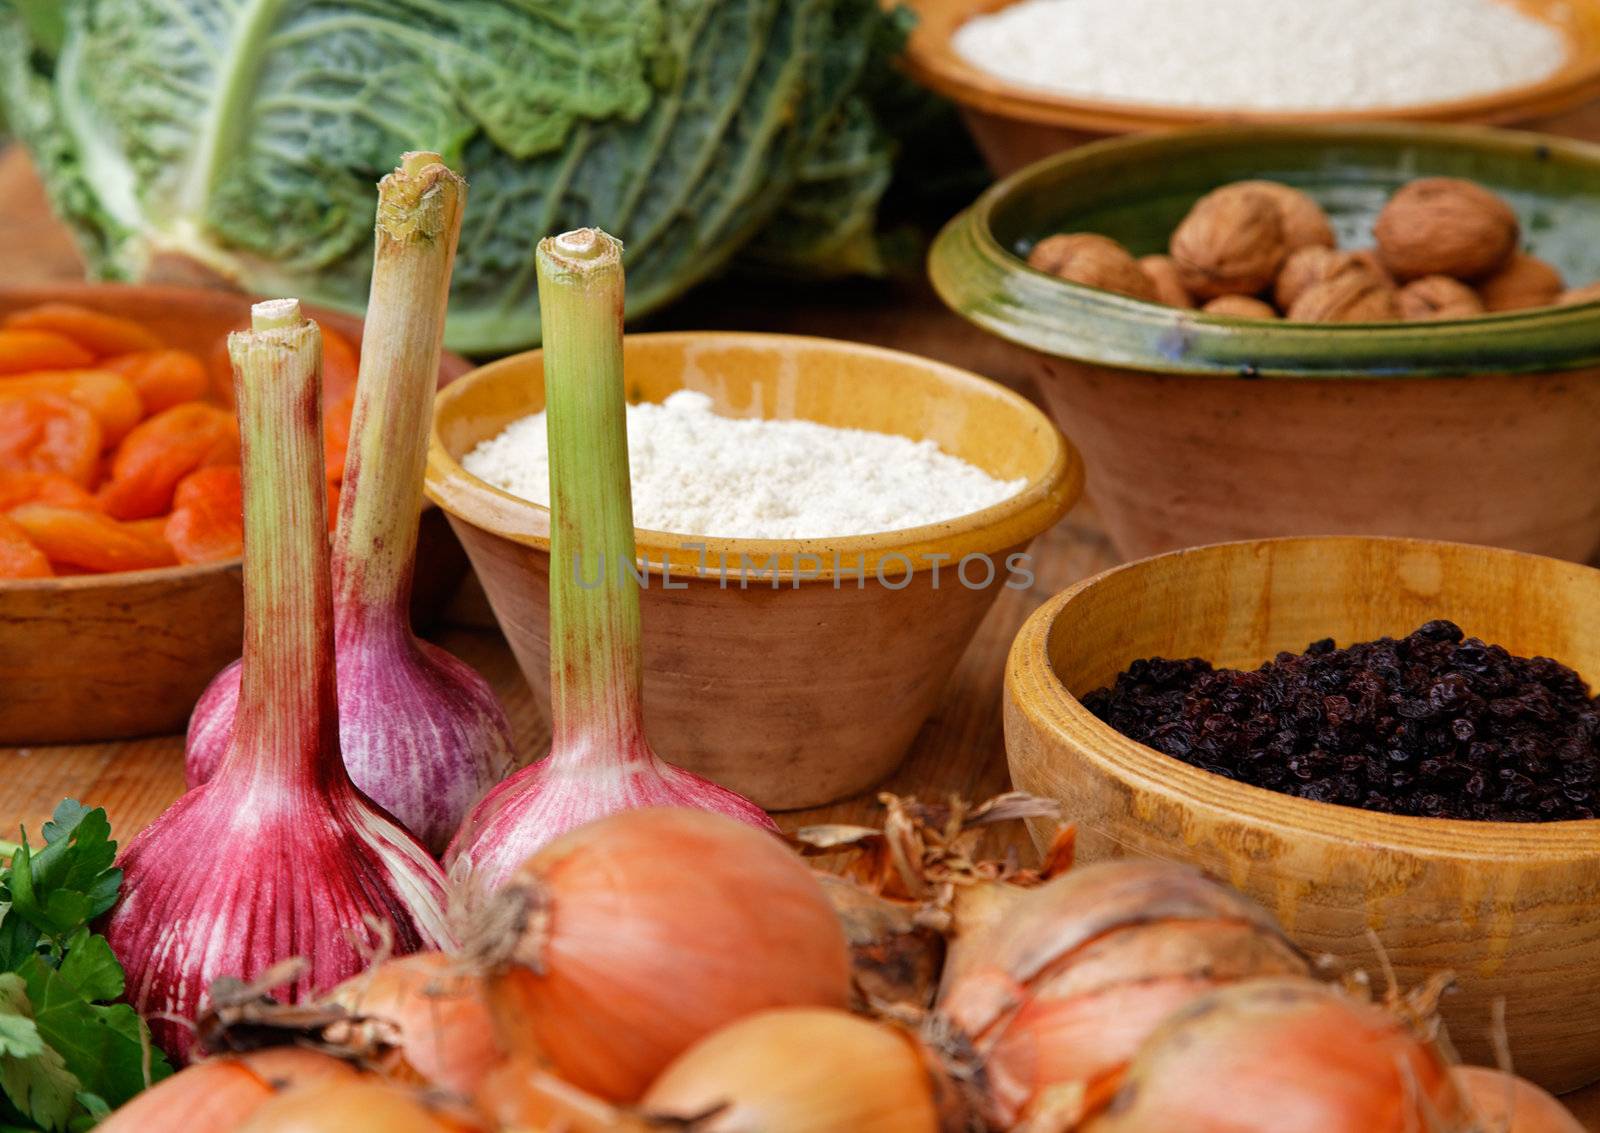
244	136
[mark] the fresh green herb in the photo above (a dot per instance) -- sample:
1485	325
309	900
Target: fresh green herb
69	1054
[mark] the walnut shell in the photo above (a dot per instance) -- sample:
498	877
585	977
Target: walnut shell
1163	275
1525	281
1231	243
1373	262
1305	267
1093	260
1445	226
1240	307
1588	293
1305	225
1438	297
1350	296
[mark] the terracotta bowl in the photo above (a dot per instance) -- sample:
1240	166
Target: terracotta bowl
1508	907
1198	429
808	684
112	656
1015	124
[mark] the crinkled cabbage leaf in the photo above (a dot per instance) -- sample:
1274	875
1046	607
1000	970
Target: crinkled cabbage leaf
244	137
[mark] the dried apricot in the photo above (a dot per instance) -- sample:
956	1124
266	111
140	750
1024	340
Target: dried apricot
207	520
19	556
341	363
24	350
110	397
101	334
93	541
163	378
336	436
44	432
18	487
163	450
219	365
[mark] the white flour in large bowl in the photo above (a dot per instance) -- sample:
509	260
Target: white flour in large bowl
1265	54
698	473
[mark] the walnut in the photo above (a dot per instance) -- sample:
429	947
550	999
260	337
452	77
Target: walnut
1095	261
1163	276
1305	225
1525	281
1445	226
1240	307
1231	243
1588	293
1373	262
1350	296
1305	267
1438	297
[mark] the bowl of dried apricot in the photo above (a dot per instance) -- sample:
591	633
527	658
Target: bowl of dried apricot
120	525
1263	331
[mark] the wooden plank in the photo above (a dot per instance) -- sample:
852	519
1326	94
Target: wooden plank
960	750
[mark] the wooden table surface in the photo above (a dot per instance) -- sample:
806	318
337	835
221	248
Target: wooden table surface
961	749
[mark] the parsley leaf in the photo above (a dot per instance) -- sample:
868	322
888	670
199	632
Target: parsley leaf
68	1053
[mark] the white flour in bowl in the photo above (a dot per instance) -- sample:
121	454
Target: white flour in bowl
697	473
1265	54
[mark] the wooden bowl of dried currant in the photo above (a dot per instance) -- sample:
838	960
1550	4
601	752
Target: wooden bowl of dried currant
1392	744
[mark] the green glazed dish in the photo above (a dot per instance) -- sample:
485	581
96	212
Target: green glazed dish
1137	189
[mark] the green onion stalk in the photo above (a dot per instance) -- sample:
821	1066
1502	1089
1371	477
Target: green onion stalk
600	760
277	855
422	732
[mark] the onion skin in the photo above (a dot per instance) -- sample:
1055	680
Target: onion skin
363	1106
800	1070
214	1096
278	856
1509	1104
1285	1056
519	1095
436	1016
620	945
1056	988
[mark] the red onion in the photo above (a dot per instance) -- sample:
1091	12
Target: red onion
278	855
422	733
600	761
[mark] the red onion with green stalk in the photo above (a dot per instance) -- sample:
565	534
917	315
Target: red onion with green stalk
278	855
422	732
600	761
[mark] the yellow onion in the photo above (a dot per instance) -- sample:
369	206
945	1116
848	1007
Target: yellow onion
1508	1104
801	1070
1049	992
366	1105
520	1095
426	1016
619	945
214	1096
1285	1056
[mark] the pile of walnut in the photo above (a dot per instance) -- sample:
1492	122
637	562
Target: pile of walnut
1446	249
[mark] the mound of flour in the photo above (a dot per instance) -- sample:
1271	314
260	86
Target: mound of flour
697	473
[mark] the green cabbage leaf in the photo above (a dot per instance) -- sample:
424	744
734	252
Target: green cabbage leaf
242	138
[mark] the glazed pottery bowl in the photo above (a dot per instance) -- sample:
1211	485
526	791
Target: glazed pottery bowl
1198	429
112	656
793	672
1508	907
1014	124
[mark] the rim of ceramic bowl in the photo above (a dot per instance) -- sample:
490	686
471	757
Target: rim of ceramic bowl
1013	522
1034	688
932	59
451	367
991	286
